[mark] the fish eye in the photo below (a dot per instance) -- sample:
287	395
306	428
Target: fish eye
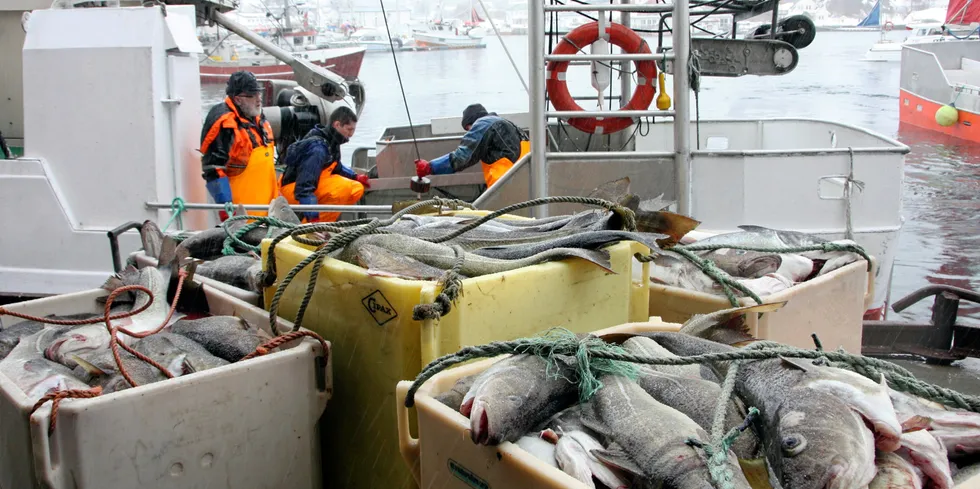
516	400
793	444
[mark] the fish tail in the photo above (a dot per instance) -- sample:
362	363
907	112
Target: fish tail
726	326
674	225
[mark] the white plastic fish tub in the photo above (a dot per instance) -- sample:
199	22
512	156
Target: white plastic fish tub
247	296
832	306
443	455
251	424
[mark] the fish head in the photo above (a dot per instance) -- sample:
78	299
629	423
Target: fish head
815	442
867	398
279	209
492	404
76	342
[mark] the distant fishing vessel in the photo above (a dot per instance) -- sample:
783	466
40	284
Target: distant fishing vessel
222	58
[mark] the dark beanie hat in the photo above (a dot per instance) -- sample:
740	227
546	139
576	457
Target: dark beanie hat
472	113
242	82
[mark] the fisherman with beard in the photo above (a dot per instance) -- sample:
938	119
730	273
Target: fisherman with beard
314	174
495	142
238	148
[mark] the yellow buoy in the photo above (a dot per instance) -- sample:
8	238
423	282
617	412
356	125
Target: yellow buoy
663	100
947	115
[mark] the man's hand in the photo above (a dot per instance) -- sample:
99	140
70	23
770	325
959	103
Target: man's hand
220	190
363	179
423	168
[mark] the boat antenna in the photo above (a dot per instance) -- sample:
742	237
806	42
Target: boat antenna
394	58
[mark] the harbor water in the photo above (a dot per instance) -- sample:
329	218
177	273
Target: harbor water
940	241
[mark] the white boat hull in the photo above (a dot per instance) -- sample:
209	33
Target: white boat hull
436	39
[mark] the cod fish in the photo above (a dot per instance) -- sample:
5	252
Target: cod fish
226	337
100	369
812	439
381	262
648	438
242	271
541	449
67	344
11	335
207	245
928	455
758	236
443	257
673	269
35	375
868	399
166	348
574	455
454	397
958	430
894	472
587	239
515	395
645	346
695	398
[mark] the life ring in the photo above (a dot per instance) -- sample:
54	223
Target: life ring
630	42
888	26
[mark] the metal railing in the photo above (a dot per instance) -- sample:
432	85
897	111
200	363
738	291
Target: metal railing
680	13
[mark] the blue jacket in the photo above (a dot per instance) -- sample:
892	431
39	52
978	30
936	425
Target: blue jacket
306	160
490	138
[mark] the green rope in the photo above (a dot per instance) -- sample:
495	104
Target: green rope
726	281
235	239
229	209
718	275
595	358
452	288
345	237
897	377
828	247
177	208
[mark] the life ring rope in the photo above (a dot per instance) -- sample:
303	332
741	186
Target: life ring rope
573	42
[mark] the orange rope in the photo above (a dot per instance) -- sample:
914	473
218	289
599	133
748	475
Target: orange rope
56	397
114	342
107	318
280	340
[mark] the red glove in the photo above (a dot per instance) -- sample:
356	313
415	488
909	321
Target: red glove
223	216
363	179
423	168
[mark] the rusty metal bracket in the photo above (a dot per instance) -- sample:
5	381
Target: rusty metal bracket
941	341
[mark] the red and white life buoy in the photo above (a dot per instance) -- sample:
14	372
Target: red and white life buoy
581	37
888	26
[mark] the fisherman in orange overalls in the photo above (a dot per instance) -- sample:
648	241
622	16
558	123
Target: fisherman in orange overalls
314	174
489	138
238	148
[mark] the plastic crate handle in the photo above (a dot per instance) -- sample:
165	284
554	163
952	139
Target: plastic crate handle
46	471
406	444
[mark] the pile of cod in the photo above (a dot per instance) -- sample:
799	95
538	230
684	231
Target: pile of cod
41	358
405	249
819	426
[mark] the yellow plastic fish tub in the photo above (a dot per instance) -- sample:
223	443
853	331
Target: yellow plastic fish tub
832	306
250	424
369	322
443	456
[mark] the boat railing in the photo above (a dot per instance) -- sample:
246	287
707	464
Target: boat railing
540	113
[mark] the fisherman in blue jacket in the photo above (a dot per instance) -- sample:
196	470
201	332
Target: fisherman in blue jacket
314	173
489	138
